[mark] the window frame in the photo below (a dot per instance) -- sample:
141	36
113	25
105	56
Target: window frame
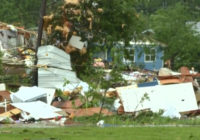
150	55
130	54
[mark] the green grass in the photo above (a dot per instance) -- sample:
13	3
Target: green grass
142	119
94	133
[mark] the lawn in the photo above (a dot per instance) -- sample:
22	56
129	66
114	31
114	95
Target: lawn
107	133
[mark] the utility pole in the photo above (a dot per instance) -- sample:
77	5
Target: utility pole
40	31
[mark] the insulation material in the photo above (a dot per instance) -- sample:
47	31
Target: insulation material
27	94
179	96
38	110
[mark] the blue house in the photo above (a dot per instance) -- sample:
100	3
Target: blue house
147	55
143	54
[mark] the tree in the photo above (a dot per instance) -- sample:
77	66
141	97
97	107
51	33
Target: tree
173	27
102	22
20	12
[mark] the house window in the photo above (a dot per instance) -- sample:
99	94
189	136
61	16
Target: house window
129	55
150	55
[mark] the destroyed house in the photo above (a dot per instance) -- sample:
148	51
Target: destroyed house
12	37
143	54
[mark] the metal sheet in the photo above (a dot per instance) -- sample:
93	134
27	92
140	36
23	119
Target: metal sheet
59	67
54	78
45	50
38	109
55	63
27	94
53	57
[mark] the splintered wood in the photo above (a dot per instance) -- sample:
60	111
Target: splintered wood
11	113
74	2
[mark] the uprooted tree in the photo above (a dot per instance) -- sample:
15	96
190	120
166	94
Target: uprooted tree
101	22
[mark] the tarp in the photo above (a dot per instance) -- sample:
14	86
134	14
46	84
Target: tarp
179	96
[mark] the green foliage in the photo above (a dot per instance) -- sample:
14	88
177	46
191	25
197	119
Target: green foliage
116	79
142	118
106	133
171	28
92	99
59	93
118	21
20	12
66	82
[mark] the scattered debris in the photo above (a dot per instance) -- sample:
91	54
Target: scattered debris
191	113
38	110
74	88
100	123
148	84
88	111
11	113
111	92
4	95
76	43
5	120
68	104
13	42
169	91
167	72
180	96
2	87
28	94
99	63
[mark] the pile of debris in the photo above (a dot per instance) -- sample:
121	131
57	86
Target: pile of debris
42	103
30	104
17	45
17	52
175	93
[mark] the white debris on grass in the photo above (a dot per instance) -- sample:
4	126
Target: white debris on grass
27	94
117	104
171	112
180	96
38	110
100	123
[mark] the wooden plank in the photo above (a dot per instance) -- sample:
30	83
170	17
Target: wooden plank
11	113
